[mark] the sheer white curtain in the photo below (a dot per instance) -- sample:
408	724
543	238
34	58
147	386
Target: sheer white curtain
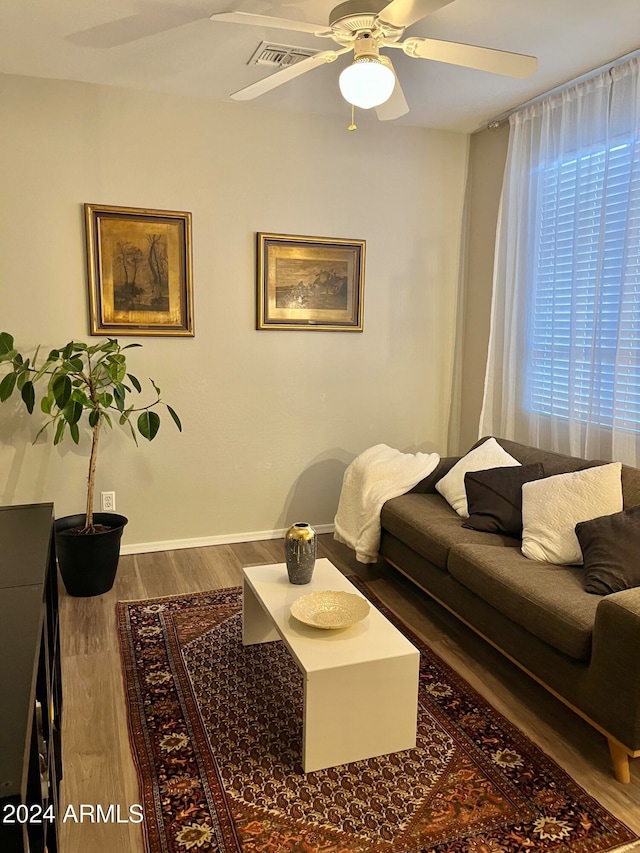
563	369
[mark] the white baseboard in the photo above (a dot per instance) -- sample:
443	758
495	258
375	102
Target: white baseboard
205	541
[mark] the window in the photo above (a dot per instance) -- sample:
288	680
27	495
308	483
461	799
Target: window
584	338
563	366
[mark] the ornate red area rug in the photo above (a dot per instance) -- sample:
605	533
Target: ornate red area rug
216	733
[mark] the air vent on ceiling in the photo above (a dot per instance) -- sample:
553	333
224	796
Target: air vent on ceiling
280	55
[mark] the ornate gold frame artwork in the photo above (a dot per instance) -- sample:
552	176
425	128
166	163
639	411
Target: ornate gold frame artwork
310	283
139	270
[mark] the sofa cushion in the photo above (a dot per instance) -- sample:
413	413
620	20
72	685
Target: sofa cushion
487	455
630	486
494	498
428	525
559	463
546	599
610	548
552	507
445	464
554	463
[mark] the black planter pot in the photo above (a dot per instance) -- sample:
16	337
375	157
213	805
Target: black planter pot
88	562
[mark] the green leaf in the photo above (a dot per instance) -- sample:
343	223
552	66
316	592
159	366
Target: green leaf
175	417
45	404
72	412
75	433
6	344
105	400
23	376
7	385
128	346
119	396
81	397
116	371
133	433
94	417
107	418
66	352
29	395
59	431
124	417
62	389
43	369
76	364
148	425
134	381
54	355
155	386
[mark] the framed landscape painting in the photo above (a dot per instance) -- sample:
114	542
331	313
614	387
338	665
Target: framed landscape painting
310	283
139	271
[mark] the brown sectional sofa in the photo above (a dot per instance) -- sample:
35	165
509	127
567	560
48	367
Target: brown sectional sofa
584	648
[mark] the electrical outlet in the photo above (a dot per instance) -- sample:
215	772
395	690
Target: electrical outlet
108	501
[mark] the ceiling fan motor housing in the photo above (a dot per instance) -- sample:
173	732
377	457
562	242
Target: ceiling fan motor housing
350	19
365	47
356	14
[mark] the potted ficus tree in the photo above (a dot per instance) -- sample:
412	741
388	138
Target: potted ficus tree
83	386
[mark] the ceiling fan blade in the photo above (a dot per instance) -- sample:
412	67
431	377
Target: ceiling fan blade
403	13
396	105
280	77
267	21
470	56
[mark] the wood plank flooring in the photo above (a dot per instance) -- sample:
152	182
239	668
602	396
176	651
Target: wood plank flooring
98	767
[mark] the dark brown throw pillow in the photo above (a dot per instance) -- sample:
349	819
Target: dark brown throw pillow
611	551
494	497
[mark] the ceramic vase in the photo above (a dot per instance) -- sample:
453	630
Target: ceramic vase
300	552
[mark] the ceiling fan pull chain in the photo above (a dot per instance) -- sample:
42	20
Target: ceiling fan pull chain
353	125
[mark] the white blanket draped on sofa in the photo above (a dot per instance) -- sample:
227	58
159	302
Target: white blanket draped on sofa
375	476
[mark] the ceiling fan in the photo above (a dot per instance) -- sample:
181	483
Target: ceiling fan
365	26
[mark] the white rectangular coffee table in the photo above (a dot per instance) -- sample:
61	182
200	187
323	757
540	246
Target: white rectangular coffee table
360	683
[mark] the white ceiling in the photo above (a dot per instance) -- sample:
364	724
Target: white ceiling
172	46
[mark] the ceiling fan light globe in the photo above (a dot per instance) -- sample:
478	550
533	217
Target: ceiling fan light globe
366	83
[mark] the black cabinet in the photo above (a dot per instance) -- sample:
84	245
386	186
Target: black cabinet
30	683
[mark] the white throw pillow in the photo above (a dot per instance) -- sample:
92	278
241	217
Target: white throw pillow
489	454
552	507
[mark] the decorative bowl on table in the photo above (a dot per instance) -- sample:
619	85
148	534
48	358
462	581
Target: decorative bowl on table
330	609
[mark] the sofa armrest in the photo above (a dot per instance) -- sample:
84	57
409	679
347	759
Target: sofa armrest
614	671
429	483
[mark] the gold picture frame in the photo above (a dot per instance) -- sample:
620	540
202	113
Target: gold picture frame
139	270
310	283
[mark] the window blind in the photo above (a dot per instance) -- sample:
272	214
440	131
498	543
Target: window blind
584	338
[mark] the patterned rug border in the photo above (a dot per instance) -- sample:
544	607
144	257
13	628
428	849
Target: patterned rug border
155	839
136	729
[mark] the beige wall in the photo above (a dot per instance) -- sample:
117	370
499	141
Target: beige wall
270	418
487	156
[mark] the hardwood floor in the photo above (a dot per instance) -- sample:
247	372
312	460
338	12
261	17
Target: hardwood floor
98	767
